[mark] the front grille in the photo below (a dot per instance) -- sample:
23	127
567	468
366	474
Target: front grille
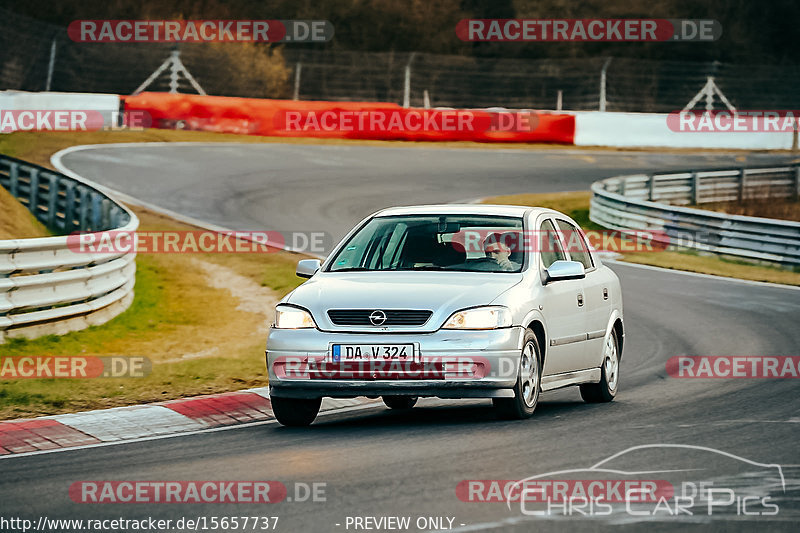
394	317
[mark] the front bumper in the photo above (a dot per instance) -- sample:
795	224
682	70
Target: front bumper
452	364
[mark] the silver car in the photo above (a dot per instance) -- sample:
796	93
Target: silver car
451	301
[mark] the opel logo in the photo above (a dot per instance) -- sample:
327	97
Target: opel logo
377	317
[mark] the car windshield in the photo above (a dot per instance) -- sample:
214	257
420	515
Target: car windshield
467	243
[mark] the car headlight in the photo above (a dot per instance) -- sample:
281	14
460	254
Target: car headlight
479	318
287	317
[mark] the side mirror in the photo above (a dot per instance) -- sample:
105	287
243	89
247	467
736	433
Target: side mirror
307	267
561	270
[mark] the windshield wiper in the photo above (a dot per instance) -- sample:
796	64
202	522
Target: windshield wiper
352	269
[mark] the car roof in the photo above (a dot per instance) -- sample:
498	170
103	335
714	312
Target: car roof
462	209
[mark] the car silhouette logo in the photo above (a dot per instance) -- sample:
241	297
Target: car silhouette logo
377	317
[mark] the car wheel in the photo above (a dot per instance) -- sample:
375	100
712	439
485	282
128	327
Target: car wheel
529	383
609	375
295	411
400	402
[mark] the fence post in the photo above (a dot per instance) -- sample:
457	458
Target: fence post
297	69
695	188
651	192
603	84
407	82
51	65
742	174
174	70
621	186
559	99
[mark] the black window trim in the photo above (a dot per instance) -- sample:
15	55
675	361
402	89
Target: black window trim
583	236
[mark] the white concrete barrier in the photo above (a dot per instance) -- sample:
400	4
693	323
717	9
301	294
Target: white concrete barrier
645	130
106	104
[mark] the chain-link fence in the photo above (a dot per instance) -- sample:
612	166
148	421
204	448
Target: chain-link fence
33	53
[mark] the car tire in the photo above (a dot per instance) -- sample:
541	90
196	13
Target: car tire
400	402
606	390
295	411
528	386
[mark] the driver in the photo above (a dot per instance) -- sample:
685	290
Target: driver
499	252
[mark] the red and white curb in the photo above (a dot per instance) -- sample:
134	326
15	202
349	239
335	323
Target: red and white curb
142	422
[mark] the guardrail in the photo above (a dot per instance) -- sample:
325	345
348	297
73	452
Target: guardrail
46	287
653	202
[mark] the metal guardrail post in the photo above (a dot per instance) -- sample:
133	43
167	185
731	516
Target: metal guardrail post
69	208
797	183
33	194
651	189
621	186
97	220
742	177
695	181
115	215
13	174
52	197
83	216
106	203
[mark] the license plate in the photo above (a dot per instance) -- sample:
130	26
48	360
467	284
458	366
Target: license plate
346	353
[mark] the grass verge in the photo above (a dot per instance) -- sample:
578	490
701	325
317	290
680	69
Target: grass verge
576	205
16	222
201	319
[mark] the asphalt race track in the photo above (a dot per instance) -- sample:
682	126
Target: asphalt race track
380	463
292	187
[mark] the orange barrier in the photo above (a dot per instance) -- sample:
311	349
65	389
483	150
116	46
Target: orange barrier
349	120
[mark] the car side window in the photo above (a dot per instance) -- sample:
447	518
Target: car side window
550	249
576	244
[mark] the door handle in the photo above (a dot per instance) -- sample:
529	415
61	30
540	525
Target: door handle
605	293
580	299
